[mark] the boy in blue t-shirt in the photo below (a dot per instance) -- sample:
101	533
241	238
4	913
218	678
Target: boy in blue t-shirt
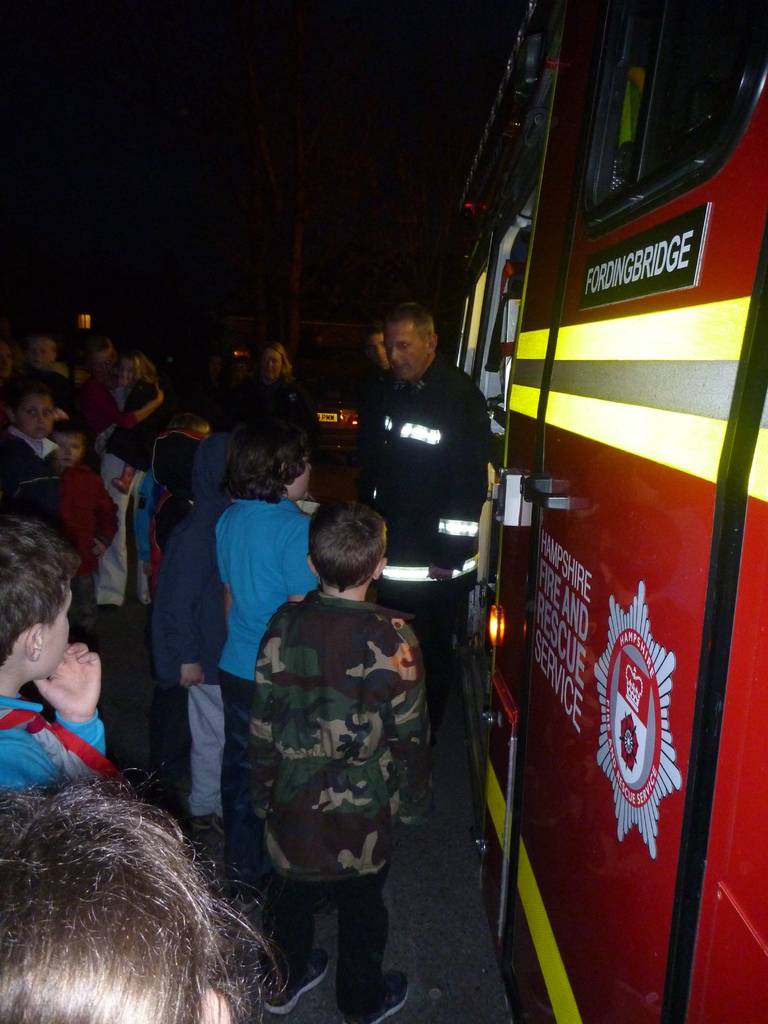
35	571
262	542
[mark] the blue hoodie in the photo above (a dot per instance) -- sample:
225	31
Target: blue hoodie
188	622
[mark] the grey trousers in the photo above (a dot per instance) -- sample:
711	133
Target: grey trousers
206	724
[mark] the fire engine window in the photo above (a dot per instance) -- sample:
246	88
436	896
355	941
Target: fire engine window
703	54
629	51
674	87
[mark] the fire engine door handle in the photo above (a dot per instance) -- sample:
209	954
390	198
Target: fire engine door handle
544	491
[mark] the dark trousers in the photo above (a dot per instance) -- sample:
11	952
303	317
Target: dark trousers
83	610
169	737
244	855
363	929
435	606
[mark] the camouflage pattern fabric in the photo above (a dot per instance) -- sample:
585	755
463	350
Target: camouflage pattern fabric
339	736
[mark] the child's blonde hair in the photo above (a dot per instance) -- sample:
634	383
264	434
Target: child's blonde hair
189	421
143	367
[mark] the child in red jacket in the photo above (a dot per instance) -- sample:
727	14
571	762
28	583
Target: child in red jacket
87	519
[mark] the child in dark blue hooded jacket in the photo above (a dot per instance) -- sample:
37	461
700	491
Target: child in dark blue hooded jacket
189	627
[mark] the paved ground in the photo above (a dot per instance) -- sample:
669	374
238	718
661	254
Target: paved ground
438	930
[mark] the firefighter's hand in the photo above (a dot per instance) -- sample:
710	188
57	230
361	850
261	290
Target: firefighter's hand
191	674
436	572
74	686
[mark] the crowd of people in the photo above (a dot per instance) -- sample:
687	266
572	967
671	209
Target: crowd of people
290	713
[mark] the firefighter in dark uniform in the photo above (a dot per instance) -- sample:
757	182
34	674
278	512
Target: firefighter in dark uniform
427	461
372	388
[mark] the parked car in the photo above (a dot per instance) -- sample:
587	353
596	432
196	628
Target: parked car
337	413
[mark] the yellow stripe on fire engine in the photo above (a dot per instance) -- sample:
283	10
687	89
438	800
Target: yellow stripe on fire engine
676	439
524	400
709	332
758	477
494	799
551	963
533	344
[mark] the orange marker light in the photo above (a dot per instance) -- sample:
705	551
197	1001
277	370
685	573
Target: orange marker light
496	625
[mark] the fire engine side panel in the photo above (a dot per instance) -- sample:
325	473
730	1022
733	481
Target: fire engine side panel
610	900
636	413
672	546
635	423
730	979
547	246
510	656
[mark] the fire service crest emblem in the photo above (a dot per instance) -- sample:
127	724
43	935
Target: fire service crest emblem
634	687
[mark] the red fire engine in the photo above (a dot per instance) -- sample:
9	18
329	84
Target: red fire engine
617	320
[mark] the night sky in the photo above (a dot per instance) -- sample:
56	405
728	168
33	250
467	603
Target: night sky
126	169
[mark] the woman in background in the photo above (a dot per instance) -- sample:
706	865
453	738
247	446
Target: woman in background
275	394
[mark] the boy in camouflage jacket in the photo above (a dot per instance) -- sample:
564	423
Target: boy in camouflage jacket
340	751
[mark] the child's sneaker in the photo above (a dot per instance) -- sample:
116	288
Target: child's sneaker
395	994
317	968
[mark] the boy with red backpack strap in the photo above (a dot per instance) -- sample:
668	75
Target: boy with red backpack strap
36	567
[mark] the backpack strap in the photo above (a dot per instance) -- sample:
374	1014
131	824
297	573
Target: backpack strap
73	757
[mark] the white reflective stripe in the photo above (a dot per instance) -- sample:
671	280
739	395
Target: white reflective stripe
387	422
420	573
406	573
418	432
469	566
458	527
